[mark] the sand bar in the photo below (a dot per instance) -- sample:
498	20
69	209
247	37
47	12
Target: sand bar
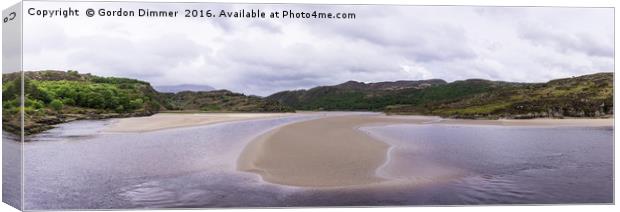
332	151
320	153
162	121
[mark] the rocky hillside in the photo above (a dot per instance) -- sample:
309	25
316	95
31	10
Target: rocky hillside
222	101
350	95
584	96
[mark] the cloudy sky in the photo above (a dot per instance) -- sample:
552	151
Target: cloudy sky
383	43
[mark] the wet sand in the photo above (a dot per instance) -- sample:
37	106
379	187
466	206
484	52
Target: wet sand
332	151
162	121
319	153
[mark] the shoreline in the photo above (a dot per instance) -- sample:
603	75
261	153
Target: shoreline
230	116
326	152
163	121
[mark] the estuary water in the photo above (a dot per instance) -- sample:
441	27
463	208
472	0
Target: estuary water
79	166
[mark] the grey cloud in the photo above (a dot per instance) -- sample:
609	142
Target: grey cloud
55	37
141	59
267	26
417	39
567	41
384	43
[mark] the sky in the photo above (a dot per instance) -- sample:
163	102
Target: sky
383	43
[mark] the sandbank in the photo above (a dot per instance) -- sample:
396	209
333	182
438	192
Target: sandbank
332	151
162	121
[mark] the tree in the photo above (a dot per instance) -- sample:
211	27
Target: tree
11	89
31	90
136	103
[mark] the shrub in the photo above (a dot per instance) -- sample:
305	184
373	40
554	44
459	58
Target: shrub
56	104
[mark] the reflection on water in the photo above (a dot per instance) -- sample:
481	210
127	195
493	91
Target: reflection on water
78	166
513	164
11	169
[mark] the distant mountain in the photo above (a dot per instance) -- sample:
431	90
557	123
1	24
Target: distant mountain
584	96
54	97
182	87
385	86
222	101
350	95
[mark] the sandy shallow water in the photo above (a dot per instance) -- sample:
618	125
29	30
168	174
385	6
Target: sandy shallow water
80	165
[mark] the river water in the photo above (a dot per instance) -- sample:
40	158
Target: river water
78	166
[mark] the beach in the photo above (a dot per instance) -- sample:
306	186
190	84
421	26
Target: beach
330	150
162	121
333	151
316	159
322	152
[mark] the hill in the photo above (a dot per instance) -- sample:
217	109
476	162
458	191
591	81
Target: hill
53	97
222	101
350	95
584	96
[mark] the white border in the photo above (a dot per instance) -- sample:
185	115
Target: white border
566	208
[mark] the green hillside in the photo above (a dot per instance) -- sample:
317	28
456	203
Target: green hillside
354	95
53	97
222	101
585	96
365	97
